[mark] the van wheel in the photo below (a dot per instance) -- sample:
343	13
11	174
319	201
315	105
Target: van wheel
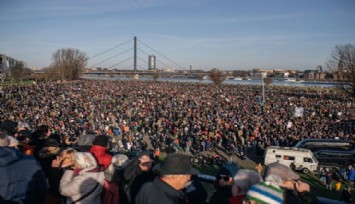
305	170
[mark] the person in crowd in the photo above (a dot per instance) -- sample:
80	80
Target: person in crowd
135	174
351	174
264	193
9	126
243	180
111	192
63	162
49	152
346	195
174	173
22	178
195	192
85	141
84	183
295	190
99	150
25	140
39	137
323	175
329	180
13	142
223	186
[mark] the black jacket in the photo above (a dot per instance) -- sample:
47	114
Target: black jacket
133	179
293	197
158	191
221	195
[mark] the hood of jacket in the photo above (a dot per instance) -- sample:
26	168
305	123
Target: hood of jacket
98	150
9	155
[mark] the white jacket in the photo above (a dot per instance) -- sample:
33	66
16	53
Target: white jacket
75	187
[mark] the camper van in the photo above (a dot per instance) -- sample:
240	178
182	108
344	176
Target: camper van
303	159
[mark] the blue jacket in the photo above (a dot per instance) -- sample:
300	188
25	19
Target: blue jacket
351	175
21	178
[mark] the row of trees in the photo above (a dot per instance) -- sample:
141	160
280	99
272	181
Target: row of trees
69	63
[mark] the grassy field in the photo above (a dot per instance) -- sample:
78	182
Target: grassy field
320	190
23	83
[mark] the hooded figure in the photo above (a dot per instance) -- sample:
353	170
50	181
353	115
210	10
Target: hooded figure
22	179
99	150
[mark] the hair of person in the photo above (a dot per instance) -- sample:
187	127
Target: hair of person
118	161
84	160
42	130
23	125
245	178
4	140
273	179
69	151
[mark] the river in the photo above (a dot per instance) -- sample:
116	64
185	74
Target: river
228	81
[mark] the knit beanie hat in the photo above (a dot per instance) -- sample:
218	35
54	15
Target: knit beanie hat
101	140
265	193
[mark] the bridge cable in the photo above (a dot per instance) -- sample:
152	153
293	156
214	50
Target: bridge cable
130	66
110	49
105	60
120	62
162	55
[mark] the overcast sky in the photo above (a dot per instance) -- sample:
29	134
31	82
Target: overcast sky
226	34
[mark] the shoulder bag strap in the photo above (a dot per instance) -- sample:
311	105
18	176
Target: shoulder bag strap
87	194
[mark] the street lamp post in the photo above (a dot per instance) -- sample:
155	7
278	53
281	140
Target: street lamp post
263	90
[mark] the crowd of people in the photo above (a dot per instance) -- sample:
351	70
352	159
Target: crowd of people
92	134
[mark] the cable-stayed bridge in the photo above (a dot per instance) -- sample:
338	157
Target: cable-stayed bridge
128	58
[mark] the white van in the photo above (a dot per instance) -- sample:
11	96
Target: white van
303	159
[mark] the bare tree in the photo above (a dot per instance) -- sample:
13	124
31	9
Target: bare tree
199	77
155	76
267	81
342	64
16	72
217	76
69	63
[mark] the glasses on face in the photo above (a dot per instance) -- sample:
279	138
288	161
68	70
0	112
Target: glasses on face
225	178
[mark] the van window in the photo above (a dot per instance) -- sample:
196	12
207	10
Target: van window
306	159
286	157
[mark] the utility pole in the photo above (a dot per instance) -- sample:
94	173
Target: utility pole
263	90
135	54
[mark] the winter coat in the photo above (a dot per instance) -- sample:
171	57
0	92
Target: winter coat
75	186
237	199
102	157
221	195
293	197
158	191
351	175
133	178
21	178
